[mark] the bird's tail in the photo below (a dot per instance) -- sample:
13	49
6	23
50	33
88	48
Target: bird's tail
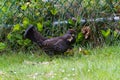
32	34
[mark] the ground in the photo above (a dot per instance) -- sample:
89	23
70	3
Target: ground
100	64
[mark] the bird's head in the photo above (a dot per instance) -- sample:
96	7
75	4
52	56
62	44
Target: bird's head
72	32
68	38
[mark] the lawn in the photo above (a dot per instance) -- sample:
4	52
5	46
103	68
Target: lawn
100	64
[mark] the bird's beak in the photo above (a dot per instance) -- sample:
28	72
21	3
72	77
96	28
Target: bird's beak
70	39
73	35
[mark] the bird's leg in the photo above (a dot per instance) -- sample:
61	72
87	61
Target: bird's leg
49	53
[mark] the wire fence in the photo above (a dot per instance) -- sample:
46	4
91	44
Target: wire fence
12	11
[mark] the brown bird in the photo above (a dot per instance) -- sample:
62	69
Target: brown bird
54	45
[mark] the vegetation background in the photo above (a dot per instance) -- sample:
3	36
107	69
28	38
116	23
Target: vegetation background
93	58
17	15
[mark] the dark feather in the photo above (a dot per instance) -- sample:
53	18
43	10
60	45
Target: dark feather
54	45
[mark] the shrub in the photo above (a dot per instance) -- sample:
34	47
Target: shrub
42	14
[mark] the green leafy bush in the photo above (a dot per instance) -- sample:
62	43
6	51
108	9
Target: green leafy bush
15	37
2	46
22	13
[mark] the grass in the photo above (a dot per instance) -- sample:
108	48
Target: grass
101	64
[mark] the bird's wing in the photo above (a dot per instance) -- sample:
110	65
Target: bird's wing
55	44
50	42
60	46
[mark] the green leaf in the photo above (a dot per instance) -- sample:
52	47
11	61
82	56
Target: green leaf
39	26
47	23
54	11
25	22
9	36
116	35
18	36
105	33
4	9
24	7
20	42
16	27
80	37
26	42
23	42
70	21
108	32
2	46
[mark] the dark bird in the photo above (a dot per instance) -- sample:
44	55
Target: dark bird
54	45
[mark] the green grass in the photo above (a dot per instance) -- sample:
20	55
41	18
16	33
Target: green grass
101	64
